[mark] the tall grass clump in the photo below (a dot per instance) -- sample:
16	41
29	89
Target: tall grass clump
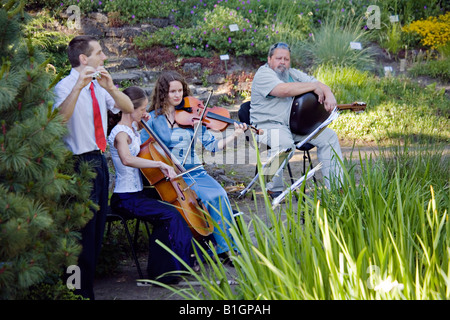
385	236
330	45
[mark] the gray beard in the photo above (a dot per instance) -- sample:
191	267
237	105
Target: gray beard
283	75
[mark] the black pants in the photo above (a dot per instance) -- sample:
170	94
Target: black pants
92	233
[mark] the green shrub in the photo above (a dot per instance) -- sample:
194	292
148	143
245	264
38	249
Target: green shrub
330	44
52	290
438	69
397	108
384	237
392	41
213	34
137	11
43	201
53	43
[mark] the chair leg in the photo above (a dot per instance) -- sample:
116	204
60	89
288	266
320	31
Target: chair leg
310	165
290	173
304	161
133	251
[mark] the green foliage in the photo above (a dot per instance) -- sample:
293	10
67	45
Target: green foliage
330	44
392	41
396	107
52	290
43	203
136	11
438	69
384	237
213	34
201	27
50	41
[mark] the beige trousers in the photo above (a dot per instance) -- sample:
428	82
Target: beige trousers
279	137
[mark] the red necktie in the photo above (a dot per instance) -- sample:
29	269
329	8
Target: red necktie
99	133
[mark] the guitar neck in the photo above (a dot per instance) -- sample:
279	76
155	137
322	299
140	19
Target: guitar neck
352	106
345	106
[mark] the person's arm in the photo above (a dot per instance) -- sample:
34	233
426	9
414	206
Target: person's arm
292	89
67	107
238	130
122	101
121	144
329	101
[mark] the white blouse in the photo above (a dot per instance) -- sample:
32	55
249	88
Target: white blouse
128	179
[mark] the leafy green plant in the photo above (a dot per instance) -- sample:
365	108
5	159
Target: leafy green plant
213	34
53	43
137	11
392	41
396	107
438	69
330	44
385	236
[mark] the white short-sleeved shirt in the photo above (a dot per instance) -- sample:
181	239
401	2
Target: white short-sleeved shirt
81	135
128	179
265	108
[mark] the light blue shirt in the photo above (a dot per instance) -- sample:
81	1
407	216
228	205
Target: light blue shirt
265	108
178	139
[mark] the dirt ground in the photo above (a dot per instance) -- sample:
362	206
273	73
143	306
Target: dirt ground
123	285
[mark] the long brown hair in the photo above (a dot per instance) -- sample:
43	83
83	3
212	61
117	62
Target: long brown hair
161	92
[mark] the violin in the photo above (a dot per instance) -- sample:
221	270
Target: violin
175	191
215	118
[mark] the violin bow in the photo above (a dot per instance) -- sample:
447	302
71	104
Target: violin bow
199	124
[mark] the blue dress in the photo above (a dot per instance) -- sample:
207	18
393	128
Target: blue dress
206	187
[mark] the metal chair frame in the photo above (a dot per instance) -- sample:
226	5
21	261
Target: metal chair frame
132	242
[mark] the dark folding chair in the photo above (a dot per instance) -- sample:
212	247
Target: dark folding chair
124	218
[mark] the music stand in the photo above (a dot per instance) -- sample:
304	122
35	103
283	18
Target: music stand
273	167
332	116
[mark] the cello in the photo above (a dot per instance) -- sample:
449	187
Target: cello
307	113
175	191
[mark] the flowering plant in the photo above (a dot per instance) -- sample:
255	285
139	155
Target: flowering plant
434	32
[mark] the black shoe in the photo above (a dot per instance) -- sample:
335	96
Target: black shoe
225	259
274	194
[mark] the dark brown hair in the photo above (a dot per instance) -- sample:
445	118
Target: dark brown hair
161	91
79	45
136	95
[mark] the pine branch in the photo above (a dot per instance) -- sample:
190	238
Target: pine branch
16	11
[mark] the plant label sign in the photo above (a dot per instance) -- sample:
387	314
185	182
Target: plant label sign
393	18
387	71
233	27
356	45
224	57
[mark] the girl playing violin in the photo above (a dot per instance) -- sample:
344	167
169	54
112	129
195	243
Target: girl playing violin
130	199
170	89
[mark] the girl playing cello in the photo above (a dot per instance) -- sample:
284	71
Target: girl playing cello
129	196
